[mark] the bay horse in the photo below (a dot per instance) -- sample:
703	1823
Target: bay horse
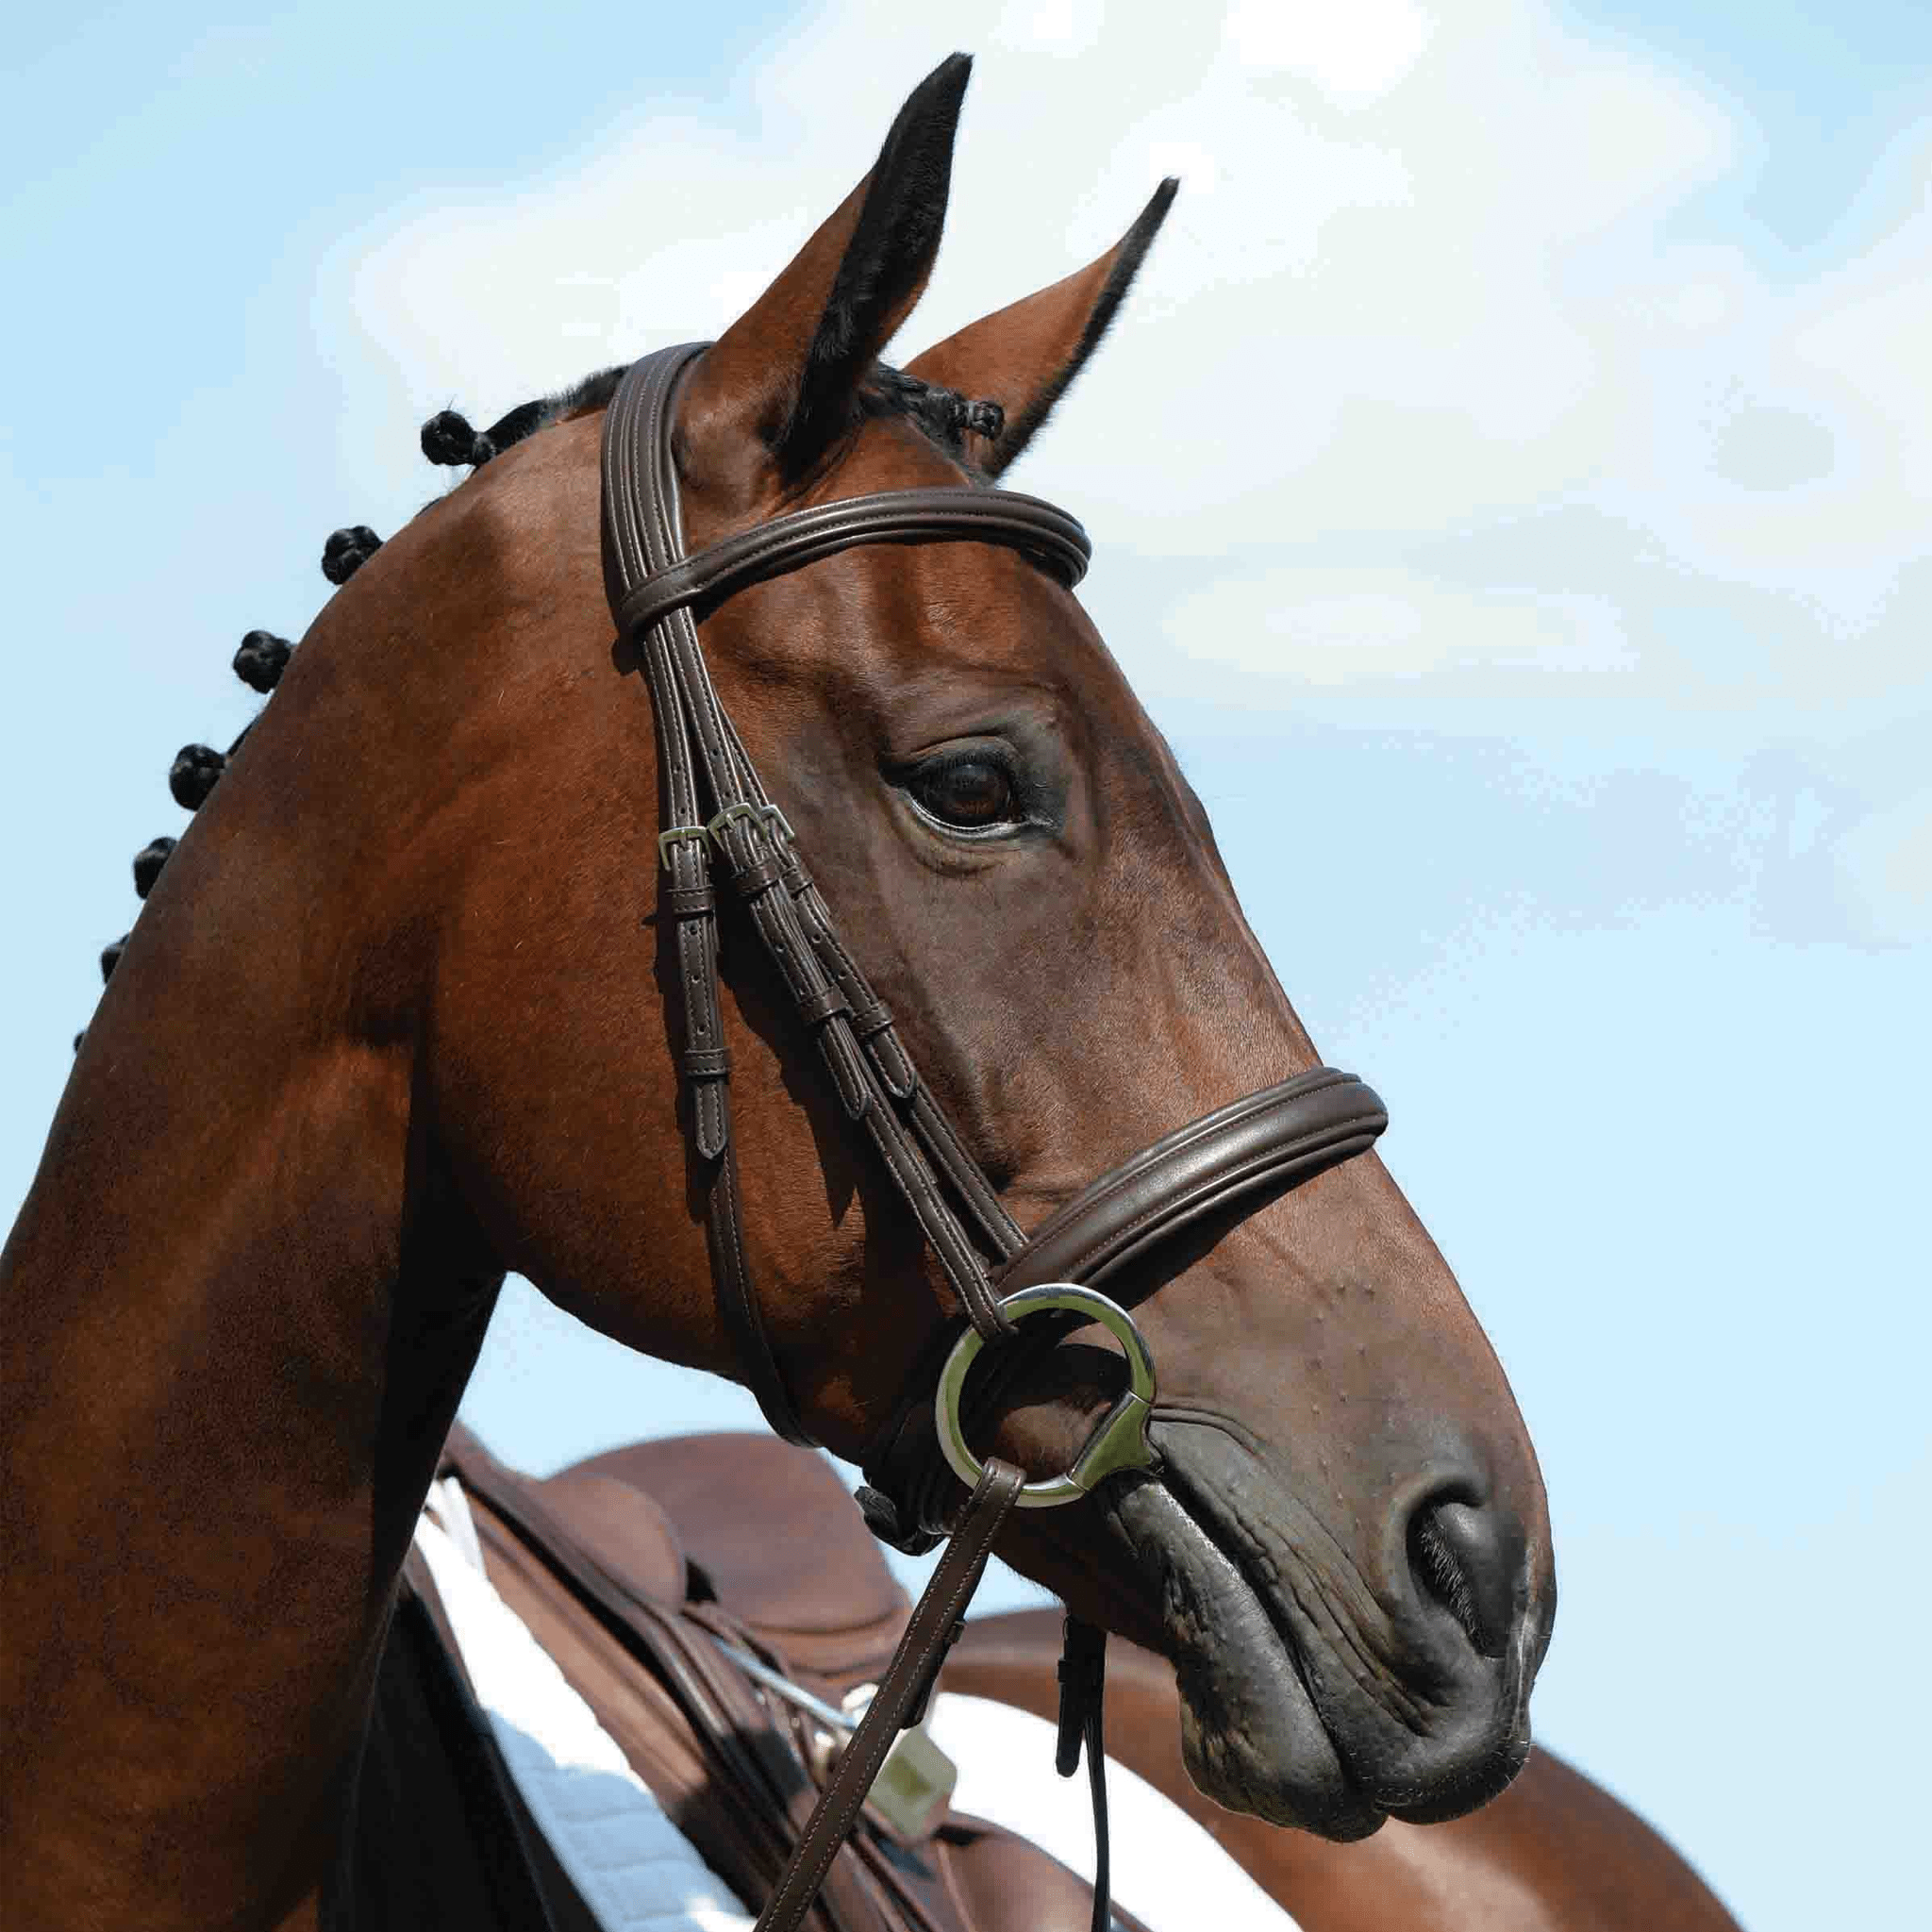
406	1009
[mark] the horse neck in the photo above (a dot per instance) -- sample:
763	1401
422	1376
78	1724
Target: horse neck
241	1307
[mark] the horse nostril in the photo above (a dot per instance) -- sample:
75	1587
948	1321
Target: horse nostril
1468	1557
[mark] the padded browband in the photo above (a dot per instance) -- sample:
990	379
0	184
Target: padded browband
1272	1139
1048	536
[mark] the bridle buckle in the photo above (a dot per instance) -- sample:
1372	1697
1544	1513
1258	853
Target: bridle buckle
776	826
672	834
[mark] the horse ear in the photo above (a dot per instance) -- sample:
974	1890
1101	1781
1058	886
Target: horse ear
1024	357
790	368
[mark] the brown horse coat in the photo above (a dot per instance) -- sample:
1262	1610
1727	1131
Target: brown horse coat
396	1017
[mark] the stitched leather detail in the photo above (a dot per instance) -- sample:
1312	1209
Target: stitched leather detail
1285	1132
760	876
689	902
822	1004
1047	536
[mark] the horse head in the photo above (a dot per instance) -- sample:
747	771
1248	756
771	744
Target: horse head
1346	1554
408	1008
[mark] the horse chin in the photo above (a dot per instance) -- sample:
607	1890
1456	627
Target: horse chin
1258	1733
1251	1735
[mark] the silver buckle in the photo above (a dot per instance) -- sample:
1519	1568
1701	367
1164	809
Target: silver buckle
740	808
669	837
775	822
1119	1442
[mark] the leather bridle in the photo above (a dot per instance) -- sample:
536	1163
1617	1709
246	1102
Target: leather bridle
716	807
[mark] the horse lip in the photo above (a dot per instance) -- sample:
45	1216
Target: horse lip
1469	1775
1322	1796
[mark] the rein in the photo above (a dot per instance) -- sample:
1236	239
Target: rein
717	807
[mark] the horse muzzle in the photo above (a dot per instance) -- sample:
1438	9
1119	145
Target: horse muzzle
1313	1695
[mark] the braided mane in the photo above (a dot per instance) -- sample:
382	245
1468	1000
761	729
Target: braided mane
943	415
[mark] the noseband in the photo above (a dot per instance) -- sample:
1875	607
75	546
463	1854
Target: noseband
716	807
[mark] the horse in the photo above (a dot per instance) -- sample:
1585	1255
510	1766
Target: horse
429	992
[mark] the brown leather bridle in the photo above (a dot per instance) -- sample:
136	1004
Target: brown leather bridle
715	805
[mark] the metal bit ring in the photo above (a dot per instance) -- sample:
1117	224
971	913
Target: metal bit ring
1119	1442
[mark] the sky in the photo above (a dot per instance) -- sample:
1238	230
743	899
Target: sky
1507	483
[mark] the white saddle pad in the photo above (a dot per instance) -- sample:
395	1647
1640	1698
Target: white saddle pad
631	1866
637	1873
1167	1870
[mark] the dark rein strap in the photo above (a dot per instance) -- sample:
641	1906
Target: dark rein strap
715	803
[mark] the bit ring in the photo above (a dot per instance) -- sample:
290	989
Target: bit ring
1119	1442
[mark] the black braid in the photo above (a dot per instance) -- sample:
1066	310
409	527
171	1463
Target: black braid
193	774
985	419
261	659
347	550
449	439
148	862
945	414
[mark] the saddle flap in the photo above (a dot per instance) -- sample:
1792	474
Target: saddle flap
772	1531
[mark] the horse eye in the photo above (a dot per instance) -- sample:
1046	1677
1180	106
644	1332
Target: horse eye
968	793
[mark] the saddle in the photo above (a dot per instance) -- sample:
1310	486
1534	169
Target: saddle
647	1574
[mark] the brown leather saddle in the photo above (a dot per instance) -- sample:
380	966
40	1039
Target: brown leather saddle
642	1570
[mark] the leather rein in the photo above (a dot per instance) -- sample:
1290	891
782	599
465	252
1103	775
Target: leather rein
722	824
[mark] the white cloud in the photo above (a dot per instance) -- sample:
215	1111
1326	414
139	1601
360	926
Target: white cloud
1420	296
1326	628
1885	869
1354	55
1049	27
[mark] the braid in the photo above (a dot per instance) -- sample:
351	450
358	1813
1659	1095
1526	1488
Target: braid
448	437
945	414
148	862
347	550
261	659
448	440
193	774
985	419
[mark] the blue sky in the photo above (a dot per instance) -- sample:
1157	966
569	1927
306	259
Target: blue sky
1541	399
